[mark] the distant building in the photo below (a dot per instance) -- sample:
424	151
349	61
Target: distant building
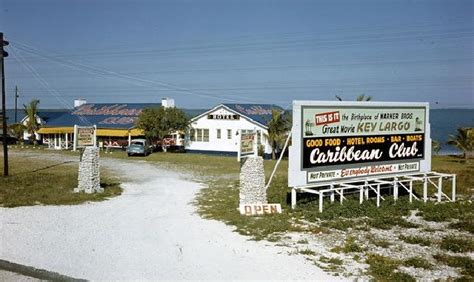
115	124
218	130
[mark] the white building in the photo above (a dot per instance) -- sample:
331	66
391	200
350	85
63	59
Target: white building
218	130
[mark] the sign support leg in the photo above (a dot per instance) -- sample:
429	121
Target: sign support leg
293	198
411	191
440	187
321	195
361	196
378	195
395	189
425	189
454	187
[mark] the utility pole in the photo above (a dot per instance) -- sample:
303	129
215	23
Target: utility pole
16	103
4	54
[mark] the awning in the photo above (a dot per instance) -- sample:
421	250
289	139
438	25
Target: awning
55	130
119	132
100	131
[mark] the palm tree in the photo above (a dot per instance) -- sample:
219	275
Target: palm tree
31	111
277	129
363	98
464	141
435	146
360	98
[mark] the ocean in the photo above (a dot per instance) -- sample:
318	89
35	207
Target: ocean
444	122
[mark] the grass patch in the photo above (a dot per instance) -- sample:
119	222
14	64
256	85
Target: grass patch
307	252
341	224
418	262
466	264
417	240
378	242
384	269
466	224
350	246
457	245
42	182
336	261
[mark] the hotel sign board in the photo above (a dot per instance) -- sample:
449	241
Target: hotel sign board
84	136
335	141
247	146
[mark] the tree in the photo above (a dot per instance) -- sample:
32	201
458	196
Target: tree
156	123
31	111
17	130
464	141
435	146
360	98
277	130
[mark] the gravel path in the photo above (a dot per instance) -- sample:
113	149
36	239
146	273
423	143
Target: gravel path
149	232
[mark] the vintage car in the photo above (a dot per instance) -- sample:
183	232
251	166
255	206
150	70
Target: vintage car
139	147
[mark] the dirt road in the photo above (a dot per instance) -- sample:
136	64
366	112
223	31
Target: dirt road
149	232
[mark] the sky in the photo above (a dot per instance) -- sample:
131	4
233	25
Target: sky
203	53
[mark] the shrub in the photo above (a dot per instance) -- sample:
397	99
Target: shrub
457	245
415	240
418	262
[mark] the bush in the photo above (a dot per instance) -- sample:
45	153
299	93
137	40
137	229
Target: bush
383	269
415	240
457	245
418	262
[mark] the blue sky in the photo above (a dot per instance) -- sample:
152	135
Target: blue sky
202	53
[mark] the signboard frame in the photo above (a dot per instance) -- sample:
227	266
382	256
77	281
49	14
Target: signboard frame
244	139
78	144
329	114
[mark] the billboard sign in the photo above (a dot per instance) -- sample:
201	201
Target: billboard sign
346	140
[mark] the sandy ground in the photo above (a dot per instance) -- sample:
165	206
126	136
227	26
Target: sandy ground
150	232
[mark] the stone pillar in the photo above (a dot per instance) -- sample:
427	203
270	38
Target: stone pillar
252	181
89	171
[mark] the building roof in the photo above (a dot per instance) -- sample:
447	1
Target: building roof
105	115
261	113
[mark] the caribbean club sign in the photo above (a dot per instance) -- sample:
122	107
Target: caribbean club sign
342	140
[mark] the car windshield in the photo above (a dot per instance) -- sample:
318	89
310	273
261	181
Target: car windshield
137	144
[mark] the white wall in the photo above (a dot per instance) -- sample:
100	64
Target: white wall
26	135
224	144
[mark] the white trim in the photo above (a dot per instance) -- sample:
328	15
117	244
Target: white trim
230	110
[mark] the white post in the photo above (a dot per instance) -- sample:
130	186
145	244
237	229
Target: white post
454	187
341	196
321	201
129	138
279	160
361	196
238	145
440	185
332	193
74	144
378	195
67	141
395	188
411	191
366	189
425	189
293	198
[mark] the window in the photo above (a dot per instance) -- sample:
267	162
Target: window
259	138
229	133
192	135
218	134
199	135
205	135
